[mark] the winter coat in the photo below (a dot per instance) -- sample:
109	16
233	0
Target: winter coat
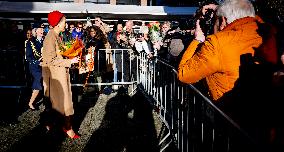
218	60
33	55
55	73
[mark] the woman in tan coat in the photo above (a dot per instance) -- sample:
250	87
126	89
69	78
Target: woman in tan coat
55	72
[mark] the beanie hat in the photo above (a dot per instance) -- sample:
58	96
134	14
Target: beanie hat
54	17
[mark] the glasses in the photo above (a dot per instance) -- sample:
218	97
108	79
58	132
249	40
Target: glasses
79	28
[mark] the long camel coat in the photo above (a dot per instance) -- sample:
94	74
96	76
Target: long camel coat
55	73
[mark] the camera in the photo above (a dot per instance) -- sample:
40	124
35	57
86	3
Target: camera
139	35
206	21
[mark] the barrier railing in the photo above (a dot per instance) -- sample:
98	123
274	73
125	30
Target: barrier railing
112	67
122	62
193	121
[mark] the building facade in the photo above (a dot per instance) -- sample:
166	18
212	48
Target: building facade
125	2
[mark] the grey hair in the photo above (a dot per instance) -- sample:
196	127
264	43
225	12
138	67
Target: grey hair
235	9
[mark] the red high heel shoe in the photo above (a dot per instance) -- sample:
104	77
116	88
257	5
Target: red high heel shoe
76	136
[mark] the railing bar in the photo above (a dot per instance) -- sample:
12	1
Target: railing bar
213	105
166	146
122	66
163	139
110	83
115	68
130	63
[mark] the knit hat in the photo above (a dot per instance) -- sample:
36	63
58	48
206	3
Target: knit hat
54	17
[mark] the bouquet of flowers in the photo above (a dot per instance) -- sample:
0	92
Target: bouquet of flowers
87	64
72	48
154	32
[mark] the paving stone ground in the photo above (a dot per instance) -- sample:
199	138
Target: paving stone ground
107	123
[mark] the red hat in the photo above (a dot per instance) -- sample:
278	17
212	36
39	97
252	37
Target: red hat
54	17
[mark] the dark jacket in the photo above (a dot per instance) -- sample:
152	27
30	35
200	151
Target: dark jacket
33	50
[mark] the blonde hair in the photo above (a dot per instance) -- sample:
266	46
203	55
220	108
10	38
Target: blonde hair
168	23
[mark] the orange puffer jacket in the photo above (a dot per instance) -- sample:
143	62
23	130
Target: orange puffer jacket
218	60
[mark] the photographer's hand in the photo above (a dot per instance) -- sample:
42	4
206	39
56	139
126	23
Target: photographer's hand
207	7
199	35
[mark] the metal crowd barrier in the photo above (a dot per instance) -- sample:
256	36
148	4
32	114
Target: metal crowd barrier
120	64
193	122
15	75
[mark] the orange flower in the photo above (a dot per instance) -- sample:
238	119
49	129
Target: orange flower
73	51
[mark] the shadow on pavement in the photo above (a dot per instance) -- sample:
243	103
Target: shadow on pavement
14	102
127	125
39	140
82	102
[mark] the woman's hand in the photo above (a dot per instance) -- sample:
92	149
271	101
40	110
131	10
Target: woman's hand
150	56
75	60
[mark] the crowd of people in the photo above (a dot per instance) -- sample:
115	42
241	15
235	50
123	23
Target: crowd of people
50	70
157	39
